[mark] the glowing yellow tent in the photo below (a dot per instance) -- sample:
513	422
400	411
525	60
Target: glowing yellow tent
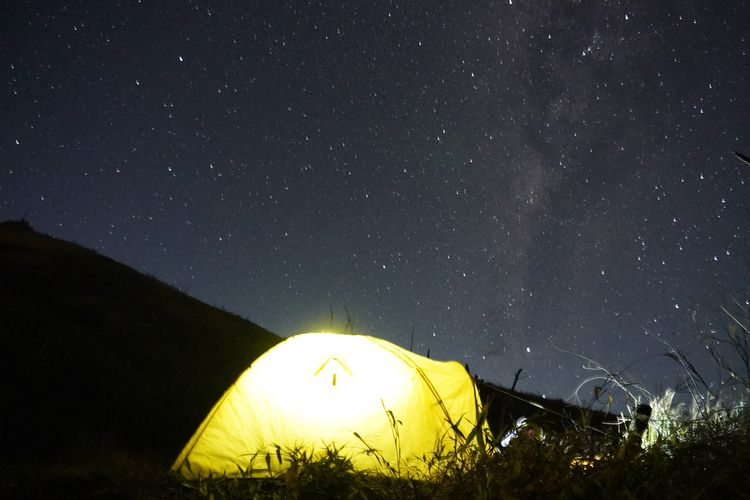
354	393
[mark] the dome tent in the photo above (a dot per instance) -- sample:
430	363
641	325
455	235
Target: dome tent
353	393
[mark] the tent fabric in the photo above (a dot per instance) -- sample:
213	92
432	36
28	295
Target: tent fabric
380	405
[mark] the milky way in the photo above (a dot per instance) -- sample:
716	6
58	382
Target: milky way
509	184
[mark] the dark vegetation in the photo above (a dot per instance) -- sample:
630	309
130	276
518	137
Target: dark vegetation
106	373
506	406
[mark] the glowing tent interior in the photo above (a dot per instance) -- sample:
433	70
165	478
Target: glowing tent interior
354	393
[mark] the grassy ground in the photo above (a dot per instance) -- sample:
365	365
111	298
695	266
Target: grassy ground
708	463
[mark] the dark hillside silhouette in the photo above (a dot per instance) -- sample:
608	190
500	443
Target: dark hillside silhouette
94	354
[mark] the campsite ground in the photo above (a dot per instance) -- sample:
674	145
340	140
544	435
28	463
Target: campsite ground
105	373
712	463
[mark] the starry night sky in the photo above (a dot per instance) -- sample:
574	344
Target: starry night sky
510	180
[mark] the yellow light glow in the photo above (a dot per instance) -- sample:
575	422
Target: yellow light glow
352	392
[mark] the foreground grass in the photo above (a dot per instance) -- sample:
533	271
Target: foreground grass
709	462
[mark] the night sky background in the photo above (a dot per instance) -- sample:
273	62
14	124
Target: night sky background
513	181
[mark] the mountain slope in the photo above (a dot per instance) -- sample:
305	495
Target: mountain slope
95	354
